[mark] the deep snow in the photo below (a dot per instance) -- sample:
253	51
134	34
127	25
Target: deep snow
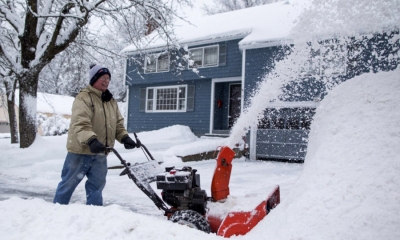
348	187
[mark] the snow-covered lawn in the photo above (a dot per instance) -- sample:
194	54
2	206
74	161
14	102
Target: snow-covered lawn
28	179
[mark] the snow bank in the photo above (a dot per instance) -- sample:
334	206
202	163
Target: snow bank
349	188
38	219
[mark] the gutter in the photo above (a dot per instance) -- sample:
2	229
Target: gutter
264	44
190	43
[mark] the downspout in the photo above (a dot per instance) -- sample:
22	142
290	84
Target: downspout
127	95
243	80
212	106
253	132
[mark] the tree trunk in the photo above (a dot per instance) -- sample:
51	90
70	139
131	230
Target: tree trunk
10	91
27	108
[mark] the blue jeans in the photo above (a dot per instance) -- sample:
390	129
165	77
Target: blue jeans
76	167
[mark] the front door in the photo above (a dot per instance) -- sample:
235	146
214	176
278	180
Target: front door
235	95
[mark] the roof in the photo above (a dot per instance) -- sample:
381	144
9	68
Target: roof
260	26
51	103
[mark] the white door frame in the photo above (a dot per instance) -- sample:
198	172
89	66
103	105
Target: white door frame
213	82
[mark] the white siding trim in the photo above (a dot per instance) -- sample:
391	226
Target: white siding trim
253	142
305	104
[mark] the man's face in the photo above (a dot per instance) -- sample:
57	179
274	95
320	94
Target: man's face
102	83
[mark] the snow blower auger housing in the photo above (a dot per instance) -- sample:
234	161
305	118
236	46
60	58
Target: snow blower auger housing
188	202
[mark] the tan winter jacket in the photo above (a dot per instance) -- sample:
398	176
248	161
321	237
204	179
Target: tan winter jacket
102	120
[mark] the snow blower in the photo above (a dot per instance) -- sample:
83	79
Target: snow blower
188	202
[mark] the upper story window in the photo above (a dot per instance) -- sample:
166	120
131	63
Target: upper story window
328	59
204	56
166	99
156	63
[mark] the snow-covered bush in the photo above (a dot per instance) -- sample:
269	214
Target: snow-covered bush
55	125
40	118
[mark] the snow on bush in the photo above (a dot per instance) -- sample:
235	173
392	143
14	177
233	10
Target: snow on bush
55	125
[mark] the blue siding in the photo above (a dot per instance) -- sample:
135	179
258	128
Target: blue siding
261	61
233	68
258	62
198	120
366	54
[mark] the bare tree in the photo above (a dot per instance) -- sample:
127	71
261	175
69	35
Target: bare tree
9	103
221	6
34	32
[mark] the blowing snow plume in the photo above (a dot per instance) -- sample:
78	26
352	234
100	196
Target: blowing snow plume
349	188
347	22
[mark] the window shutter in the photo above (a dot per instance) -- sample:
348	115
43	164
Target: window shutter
142	101
190	98
222	54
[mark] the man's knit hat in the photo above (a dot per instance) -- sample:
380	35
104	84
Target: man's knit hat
96	71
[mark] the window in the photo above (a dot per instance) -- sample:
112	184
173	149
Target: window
166	99
287	118
204	56
156	63
185	99
327	60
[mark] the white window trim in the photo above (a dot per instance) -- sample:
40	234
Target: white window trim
154	110
157	71
202	60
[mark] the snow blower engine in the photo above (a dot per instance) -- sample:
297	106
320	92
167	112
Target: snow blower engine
181	189
188	202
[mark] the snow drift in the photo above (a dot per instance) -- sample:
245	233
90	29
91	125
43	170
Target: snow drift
349	188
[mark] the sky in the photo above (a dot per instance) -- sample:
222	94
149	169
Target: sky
348	187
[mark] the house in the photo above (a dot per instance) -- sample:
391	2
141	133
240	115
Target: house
47	105
208	81
4	119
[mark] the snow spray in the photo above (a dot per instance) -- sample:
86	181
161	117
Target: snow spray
367	16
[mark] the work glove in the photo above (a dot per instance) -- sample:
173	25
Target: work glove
129	143
96	146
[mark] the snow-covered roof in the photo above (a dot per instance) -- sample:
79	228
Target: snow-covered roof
51	103
259	26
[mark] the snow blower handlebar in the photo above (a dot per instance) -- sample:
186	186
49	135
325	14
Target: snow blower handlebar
144	149
134	172
123	162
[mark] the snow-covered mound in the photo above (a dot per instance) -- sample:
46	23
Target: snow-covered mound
350	185
168	136
38	219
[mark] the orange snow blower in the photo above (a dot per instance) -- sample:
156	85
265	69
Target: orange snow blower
188	202
236	222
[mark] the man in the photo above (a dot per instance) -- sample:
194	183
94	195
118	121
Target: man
96	123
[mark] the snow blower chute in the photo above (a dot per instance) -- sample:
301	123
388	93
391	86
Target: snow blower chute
188	202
